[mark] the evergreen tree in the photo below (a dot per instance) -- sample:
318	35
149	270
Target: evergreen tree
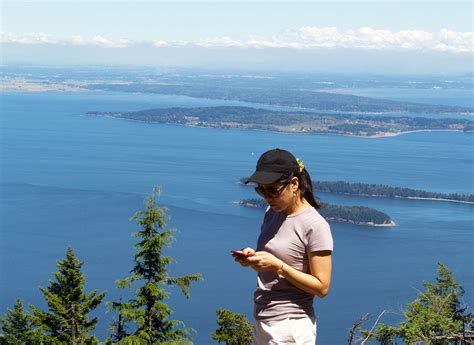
436	311
118	328
17	327
67	321
147	309
234	328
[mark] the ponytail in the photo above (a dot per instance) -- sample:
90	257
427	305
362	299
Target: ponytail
306	189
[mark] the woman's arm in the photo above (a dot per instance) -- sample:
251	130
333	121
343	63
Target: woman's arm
316	283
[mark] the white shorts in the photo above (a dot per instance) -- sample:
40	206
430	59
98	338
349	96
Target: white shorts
301	331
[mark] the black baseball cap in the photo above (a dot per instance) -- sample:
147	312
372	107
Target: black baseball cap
273	165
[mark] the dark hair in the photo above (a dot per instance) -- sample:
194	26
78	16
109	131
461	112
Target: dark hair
306	189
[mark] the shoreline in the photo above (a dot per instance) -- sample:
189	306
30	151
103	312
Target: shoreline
402	197
436	199
377	136
416	131
345	221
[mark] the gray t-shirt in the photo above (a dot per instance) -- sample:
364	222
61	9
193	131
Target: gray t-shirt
289	238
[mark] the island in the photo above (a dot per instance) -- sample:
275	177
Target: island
292	122
357	215
379	190
383	191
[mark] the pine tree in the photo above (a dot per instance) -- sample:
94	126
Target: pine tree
17	327
67	321
147	309
436	311
234	328
118	328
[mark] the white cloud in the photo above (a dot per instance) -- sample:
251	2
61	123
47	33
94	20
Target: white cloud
306	37
31	38
160	44
364	37
224	41
455	41
79	40
107	43
319	37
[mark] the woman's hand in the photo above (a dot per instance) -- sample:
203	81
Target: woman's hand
264	261
244	260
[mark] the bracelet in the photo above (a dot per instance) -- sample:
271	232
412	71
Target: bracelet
280	271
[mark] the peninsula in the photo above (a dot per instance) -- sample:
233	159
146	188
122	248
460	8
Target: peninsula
292	122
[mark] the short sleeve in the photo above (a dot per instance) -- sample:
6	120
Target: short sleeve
318	236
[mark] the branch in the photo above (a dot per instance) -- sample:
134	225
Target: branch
356	325
371	330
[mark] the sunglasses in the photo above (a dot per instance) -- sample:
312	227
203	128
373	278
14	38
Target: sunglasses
271	192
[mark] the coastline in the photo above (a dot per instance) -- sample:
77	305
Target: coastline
403	197
345	221
436	199
414	131
236	127
26	86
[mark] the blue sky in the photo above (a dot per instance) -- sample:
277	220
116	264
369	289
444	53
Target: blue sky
276	34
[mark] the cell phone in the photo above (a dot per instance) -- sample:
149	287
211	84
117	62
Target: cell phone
241	253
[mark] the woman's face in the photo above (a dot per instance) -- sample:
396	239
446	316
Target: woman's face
279	195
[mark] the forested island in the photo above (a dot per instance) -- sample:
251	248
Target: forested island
358	215
379	190
291	122
384	191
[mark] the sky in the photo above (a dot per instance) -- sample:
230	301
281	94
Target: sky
358	36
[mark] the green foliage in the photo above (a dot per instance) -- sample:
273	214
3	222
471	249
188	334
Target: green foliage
133	340
234	328
384	334
67	320
17	327
179	342
436	311
118	327
146	310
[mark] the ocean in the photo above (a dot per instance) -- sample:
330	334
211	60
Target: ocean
68	179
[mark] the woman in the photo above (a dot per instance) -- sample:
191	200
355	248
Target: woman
293	254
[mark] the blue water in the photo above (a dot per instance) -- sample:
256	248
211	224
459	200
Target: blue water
71	179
